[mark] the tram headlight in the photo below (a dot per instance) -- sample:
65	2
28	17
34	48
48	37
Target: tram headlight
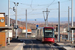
52	39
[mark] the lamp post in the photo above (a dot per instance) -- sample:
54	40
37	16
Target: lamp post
15	10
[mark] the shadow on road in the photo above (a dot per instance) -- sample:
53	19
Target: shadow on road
16	41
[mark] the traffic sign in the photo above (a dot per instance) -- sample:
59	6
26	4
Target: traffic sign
37	25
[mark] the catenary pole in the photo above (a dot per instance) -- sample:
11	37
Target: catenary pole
26	23
46	20
47	17
68	24
8	20
72	18
16	4
16	19
58	21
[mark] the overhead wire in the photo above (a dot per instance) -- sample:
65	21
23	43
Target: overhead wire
31	3
51	3
39	5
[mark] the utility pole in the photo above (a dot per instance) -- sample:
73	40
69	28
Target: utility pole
26	23
47	16
8	21
46	19
72	19
58	21
15	10
68	25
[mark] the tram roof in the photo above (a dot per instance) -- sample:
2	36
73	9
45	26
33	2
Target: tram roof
49	27
45	27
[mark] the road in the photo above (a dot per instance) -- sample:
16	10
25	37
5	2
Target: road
32	44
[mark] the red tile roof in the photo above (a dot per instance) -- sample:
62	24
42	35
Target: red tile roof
29	30
22	27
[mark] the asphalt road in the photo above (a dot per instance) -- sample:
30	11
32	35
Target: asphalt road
32	44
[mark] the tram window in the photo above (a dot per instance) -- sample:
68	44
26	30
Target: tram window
37	32
48	30
49	33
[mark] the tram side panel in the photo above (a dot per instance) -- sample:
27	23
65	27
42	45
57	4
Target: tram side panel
37	34
42	35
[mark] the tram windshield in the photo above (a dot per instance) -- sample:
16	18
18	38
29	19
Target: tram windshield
49	33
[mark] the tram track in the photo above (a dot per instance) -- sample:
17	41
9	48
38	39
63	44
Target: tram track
38	45
54	46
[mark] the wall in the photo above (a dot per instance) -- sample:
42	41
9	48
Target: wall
2	39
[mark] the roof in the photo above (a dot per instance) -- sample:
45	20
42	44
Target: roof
22	27
49	27
29	30
72	28
7	28
2	13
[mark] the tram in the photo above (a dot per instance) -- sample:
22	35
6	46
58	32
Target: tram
45	34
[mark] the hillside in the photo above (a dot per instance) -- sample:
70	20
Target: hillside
21	24
33	25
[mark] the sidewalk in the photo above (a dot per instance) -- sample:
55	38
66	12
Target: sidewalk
13	46
67	45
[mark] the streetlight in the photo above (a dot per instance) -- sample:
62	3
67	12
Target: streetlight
15	10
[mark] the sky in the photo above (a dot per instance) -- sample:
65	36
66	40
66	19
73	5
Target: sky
35	9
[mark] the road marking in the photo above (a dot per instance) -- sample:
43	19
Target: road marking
17	46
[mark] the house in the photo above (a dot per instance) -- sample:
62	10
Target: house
22	31
4	35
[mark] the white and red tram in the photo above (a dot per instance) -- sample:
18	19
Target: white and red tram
45	34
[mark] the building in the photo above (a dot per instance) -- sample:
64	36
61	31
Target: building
3	33
22	32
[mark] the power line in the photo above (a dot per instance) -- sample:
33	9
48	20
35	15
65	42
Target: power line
31	3
25	4
47	5
51	3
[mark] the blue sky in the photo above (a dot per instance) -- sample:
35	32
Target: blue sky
35	8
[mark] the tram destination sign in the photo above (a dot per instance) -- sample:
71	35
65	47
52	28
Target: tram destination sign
48	30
